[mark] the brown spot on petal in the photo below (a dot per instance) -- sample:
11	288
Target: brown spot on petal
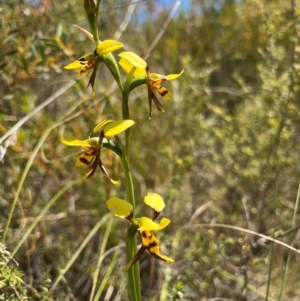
152	245
163	93
84	161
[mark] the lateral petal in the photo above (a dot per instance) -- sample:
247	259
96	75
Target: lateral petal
162	257
147	224
91	142
119	207
101	124
117	127
155	201
173	76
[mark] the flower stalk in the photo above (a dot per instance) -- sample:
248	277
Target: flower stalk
131	241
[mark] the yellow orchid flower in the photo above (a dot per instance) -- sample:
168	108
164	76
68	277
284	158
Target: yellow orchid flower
145	225
92	146
102	53
150	243
91	156
130	60
88	61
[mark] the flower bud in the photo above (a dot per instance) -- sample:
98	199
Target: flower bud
90	7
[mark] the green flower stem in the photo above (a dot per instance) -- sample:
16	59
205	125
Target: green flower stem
134	271
125	113
129	184
113	67
131	242
125	110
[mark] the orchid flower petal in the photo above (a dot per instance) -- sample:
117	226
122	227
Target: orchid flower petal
108	46
87	157
151	243
126	66
149	240
173	76
147	224
119	207
133	59
81	62
101	124
158	78
134	259
163	92
91	142
117	183
90	172
117	127
155	201
105	173
162	257
75	65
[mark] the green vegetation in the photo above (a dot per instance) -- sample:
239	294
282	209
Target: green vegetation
224	155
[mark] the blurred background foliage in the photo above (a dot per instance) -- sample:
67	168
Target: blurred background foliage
225	151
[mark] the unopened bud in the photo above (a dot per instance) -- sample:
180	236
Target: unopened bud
90	7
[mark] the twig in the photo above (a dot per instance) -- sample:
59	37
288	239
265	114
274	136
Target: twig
246	231
125	21
14	129
54	217
162	31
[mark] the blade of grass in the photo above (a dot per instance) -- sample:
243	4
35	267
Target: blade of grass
125	21
175	7
37	148
242	283
43	212
270	271
22	179
100	258
165	290
107	275
289	254
246	231
166	285
102	221
36	110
